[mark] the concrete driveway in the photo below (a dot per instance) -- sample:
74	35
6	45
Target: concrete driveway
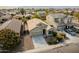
39	41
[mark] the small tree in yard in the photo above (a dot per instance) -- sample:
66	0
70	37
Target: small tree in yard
12	15
57	37
9	39
22	11
60	37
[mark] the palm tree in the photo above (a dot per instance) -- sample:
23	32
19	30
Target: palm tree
24	20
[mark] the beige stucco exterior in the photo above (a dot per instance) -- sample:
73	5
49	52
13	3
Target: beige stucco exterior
51	21
38	30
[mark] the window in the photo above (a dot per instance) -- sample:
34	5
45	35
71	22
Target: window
56	20
50	32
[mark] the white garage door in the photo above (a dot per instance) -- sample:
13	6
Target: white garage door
39	41
36	33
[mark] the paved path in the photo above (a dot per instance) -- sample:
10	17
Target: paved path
39	41
28	44
73	39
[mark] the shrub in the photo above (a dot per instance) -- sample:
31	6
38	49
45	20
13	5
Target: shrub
60	37
9	39
53	41
57	37
54	34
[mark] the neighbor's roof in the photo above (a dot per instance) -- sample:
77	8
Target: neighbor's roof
6	16
49	28
1	14
57	15
33	23
14	25
19	15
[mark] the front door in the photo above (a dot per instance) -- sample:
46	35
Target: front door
44	31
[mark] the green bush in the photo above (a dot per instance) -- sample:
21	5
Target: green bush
60	37
54	34
57	37
53	41
9	39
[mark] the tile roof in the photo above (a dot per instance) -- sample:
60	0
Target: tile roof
14	25
33	23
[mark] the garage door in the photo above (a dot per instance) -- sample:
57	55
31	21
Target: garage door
39	41
37	33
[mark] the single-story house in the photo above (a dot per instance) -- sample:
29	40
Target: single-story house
37	27
17	16
14	25
8	16
28	16
59	20
55	18
1	14
5	18
41	13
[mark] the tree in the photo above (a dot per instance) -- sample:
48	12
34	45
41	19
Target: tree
22	11
24	20
77	15
54	34
60	37
57	37
72	13
67	13
47	11
12	15
9	39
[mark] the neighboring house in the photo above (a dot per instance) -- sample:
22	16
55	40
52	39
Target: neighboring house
17	16
12	12
1	14
37	27
42	14
28	16
59	20
5	18
14	25
54	19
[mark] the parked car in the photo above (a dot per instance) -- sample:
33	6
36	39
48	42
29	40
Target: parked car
70	32
75	30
